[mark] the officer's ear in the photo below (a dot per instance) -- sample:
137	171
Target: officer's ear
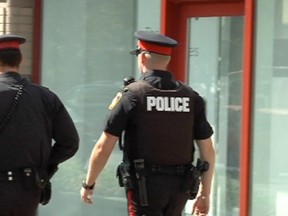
143	58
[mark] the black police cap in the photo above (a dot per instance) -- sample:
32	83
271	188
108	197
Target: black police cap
9	41
154	42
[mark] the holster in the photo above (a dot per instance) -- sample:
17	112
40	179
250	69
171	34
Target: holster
126	180
191	182
192	179
46	193
139	166
124	177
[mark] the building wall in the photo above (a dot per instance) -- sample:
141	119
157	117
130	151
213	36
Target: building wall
16	17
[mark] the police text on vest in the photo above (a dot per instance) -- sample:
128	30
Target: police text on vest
168	104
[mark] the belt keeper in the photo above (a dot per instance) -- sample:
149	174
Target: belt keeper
28	172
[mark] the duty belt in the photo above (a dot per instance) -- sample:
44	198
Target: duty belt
167	169
15	174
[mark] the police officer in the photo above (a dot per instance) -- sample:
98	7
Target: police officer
31	117
161	118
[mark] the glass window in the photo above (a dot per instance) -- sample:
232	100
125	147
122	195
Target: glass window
215	72
270	113
85	56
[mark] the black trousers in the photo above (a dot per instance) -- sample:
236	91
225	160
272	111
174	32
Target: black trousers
164	196
16	200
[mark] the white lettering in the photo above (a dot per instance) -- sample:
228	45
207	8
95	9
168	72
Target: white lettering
178	106
151	102
167	107
160	105
186	104
172	104
168	104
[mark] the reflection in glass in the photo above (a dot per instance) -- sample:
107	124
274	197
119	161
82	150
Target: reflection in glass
85	56
270	113
215	72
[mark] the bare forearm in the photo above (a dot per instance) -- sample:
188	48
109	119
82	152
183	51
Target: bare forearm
206	178
96	165
99	157
207	153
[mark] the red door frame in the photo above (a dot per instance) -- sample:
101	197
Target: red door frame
174	14
247	94
37	35
174	23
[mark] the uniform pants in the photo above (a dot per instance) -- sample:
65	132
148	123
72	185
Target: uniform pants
164	196
15	200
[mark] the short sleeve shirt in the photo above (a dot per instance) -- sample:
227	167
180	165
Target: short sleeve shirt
124	103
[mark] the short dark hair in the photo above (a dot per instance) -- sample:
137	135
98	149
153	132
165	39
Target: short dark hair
10	57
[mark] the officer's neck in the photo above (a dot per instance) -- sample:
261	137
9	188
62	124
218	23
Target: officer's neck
146	69
5	69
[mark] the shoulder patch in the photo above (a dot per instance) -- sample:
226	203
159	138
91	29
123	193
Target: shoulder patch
115	100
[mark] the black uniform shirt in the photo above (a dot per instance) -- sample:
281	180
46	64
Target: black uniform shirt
121	112
39	118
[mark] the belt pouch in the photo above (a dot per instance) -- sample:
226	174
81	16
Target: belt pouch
43	182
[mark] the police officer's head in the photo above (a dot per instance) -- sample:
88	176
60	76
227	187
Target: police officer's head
10	54
153	50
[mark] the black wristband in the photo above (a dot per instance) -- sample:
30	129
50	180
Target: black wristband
87	187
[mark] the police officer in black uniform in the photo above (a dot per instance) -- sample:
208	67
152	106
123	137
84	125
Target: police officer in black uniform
161	117
36	134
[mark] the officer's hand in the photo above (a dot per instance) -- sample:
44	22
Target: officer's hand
86	195
201	206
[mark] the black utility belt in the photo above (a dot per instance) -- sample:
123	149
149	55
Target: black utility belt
167	169
16	174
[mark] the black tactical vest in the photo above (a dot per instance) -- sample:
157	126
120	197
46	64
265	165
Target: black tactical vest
161	129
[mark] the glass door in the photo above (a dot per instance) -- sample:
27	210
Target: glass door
214	70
